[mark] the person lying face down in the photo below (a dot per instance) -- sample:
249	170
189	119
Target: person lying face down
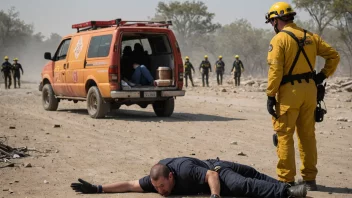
141	75
191	176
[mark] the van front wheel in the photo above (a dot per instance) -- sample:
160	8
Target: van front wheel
96	106
164	108
50	102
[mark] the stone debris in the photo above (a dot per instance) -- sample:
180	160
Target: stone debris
27	165
7	152
342	120
241	154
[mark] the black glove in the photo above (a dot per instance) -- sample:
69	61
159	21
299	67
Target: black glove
275	140
319	78
271	105
84	187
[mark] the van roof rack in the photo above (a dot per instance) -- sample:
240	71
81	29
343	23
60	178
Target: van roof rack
94	25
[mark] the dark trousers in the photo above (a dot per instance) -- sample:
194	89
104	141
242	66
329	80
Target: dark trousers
18	77
189	75
237	78
8	80
219	75
244	181
205	75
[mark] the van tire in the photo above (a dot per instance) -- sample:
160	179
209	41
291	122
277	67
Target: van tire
164	108
50	102
96	106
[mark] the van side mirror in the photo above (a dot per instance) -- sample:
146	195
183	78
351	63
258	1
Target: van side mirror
47	56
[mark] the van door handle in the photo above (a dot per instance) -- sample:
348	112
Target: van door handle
65	66
68	64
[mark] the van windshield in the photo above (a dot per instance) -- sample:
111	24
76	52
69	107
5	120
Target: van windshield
149	49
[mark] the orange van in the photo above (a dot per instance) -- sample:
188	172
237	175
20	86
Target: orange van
100	62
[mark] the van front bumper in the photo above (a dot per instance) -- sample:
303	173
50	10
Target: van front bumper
146	94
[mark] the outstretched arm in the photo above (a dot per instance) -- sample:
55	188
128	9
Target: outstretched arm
119	187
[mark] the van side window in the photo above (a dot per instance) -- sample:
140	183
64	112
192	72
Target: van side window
144	42
99	46
61	53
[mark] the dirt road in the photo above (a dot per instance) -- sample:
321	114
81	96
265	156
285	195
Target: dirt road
125	144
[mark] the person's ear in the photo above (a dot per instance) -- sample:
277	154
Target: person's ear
171	175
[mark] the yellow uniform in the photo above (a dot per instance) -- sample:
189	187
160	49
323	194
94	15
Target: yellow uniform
296	102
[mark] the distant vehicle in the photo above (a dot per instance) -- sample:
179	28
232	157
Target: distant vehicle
93	65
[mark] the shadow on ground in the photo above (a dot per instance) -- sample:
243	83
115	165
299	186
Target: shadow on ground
334	190
142	116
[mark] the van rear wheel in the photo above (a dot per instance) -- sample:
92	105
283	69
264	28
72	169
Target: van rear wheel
96	106
164	108
50	102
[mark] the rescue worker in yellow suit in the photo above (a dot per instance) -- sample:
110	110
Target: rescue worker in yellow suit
292	80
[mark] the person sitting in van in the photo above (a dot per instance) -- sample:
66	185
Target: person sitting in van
138	51
141	75
126	62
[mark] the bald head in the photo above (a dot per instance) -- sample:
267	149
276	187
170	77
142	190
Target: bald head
159	170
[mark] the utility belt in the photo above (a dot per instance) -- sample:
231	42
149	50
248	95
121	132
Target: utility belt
297	77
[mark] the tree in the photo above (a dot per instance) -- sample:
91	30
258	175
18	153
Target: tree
322	12
17	39
250	43
344	25
190	20
13	31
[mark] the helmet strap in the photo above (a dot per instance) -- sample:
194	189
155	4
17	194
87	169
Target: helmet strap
275	26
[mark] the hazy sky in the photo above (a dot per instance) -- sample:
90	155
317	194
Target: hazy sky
58	15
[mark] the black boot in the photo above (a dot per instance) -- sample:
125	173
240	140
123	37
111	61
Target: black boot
311	185
297	191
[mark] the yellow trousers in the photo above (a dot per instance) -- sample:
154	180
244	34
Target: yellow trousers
296	106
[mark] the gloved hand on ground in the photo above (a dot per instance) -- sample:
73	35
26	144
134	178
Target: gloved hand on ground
84	187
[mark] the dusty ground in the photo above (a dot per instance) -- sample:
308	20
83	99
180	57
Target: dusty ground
125	145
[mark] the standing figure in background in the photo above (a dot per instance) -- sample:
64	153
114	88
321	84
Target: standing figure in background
204	68
237	69
188	71
16	72
220	69
6	69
